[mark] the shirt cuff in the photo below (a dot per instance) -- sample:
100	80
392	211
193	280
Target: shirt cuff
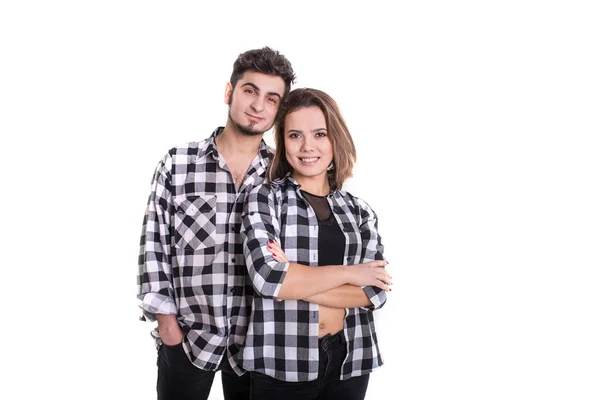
377	297
274	288
154	303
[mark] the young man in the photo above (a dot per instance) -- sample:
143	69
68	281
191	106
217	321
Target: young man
191	265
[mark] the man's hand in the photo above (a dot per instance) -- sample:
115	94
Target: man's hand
169	330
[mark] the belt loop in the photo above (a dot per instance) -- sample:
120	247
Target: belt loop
340	337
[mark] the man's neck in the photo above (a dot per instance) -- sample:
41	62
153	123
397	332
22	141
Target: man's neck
233	143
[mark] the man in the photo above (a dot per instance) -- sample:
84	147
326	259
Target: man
191	265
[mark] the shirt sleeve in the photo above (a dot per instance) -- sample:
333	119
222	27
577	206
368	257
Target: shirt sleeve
372	249
260	223
155	287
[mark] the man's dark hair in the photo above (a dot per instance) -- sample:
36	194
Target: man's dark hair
266	61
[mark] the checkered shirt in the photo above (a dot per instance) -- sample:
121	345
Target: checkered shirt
282	338
191	259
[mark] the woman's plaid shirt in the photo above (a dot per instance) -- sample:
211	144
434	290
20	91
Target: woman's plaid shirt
282	338
191	261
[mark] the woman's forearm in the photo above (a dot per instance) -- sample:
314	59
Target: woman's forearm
302	281
345	296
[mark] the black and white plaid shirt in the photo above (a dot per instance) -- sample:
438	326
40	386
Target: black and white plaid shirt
191	259
282	338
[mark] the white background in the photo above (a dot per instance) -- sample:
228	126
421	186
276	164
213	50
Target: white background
476	124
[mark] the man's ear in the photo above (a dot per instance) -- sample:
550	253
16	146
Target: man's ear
228	92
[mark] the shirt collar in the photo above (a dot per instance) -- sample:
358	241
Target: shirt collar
289	179
210	145
265	152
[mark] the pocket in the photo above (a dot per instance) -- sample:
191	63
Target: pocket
195	223
177	348
176	359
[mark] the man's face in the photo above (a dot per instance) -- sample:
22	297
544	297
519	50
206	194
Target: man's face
254	102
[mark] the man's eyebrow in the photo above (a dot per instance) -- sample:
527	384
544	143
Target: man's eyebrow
274	94
252	85
258	89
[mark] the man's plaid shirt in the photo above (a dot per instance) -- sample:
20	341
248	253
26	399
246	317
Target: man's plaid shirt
191	259
282	338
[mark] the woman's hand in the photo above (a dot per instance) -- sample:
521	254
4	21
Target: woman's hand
371	273
276	251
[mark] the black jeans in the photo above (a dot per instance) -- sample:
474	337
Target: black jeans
328	386
178	378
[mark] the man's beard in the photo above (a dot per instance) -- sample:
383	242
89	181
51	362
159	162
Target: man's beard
246	130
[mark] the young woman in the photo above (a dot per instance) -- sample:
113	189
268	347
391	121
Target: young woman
311	333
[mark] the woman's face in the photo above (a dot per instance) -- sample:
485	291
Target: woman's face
307	146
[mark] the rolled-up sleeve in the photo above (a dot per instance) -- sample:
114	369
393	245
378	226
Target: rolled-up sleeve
155	287
372	249
259	225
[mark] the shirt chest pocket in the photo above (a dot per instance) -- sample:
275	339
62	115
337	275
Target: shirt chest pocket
349	226
195	223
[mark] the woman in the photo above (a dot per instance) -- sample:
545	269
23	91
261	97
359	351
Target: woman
311	333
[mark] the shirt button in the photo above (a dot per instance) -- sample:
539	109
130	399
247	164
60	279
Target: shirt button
231	290
233	260
348	258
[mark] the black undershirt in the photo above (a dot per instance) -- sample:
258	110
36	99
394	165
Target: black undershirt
332	243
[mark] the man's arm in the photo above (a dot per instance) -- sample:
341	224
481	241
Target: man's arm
155	288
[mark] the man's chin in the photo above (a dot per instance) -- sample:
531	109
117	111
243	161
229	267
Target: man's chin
249	130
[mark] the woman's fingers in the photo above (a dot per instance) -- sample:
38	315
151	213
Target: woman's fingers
381	285
276	251
385	277
377	263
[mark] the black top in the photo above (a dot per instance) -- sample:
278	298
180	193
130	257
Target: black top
332	243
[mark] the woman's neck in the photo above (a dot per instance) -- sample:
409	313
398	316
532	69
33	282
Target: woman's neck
317	185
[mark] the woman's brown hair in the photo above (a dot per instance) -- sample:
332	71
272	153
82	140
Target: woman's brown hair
344	152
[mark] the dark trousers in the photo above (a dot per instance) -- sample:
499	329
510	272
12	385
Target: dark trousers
328	386
179	379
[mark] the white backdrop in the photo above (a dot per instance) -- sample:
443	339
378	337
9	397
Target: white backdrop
476	125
